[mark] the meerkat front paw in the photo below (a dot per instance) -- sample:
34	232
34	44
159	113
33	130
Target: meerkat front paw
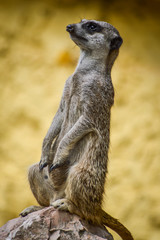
54	166
43	162
57	164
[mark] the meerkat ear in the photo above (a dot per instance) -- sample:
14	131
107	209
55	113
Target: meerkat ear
116	43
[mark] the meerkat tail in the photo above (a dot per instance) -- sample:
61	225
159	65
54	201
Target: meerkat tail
115	225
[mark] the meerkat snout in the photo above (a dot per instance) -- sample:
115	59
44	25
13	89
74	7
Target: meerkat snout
70	28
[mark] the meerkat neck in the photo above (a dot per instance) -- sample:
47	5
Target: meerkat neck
90	61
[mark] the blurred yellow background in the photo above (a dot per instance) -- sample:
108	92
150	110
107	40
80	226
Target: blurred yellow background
37	56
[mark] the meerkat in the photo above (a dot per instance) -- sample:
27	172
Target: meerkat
73	166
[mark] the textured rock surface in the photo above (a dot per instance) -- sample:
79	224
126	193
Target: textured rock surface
50	224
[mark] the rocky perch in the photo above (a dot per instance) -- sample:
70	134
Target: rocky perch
51	224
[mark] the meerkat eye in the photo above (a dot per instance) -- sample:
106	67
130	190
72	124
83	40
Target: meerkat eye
92	27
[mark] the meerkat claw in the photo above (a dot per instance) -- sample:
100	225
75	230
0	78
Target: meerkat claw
41	166
54	166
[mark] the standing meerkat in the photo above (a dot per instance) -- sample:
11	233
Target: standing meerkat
72	171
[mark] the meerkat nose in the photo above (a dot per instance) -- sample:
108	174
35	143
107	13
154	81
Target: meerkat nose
70	28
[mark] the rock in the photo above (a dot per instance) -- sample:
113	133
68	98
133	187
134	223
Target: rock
51	224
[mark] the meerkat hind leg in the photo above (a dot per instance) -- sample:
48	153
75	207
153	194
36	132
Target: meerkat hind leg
41	188
66	205
30	209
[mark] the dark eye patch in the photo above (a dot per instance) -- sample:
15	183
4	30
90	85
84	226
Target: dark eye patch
92	27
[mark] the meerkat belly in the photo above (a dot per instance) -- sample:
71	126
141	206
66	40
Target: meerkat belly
88	172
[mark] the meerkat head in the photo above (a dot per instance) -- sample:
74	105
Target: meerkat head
96	36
